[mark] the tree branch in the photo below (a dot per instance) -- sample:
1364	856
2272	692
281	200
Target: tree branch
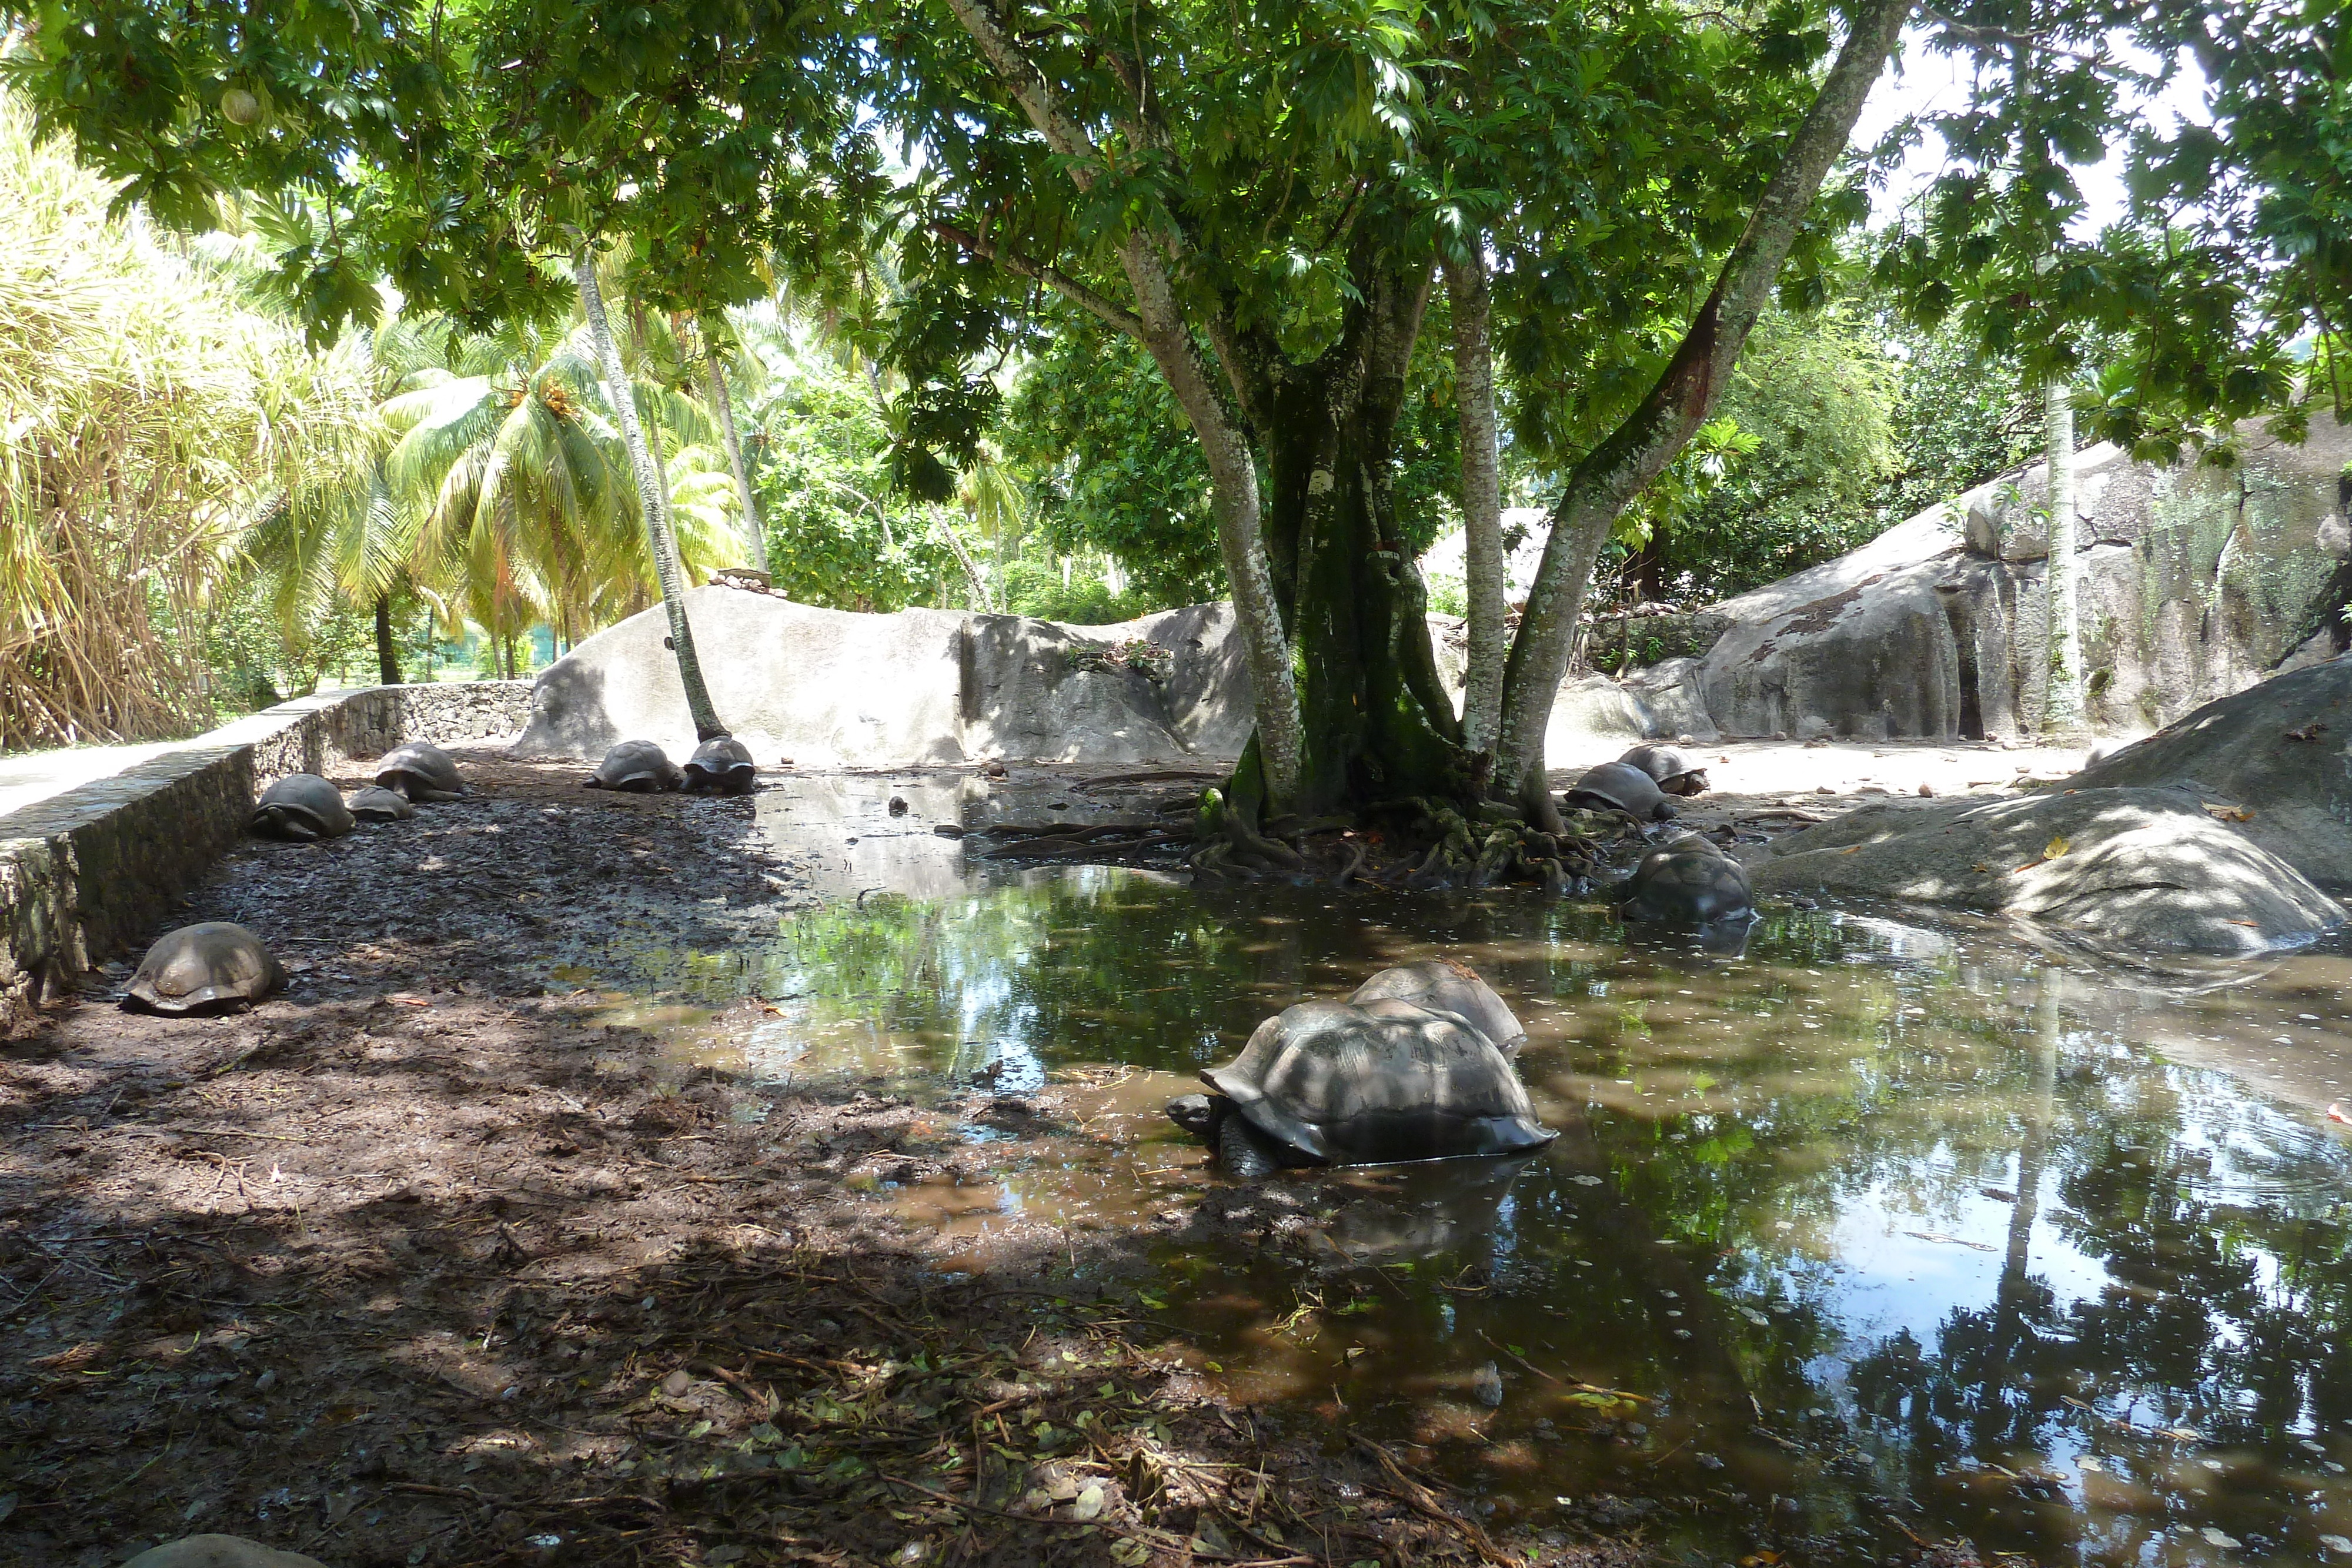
1109	312
1638	450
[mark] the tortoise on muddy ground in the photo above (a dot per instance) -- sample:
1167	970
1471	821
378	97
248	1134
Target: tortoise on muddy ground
639	766
1448	985
1620	787
377	804
1688	882
721	766
302	807
1676	771
419	771
1349	1083
216	967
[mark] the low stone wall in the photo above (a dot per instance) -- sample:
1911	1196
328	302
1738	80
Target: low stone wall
85	873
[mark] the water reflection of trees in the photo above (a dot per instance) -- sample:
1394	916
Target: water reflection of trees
2172	1254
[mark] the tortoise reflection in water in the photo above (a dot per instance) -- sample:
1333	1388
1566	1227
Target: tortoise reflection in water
1370	1080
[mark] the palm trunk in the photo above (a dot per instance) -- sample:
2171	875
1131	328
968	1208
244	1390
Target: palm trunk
1637	451
2062	706
651	496
387	652
1482	501
754	535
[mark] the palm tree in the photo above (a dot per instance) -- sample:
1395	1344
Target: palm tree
506	454
651	496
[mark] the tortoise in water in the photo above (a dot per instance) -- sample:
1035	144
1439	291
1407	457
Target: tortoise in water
216	967
1676	771
1349	1083
1687	881
1620	787
302	806
377	804
419	772
1448	985
721	765
637	766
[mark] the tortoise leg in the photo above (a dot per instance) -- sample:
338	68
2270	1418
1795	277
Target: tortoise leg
1248	1153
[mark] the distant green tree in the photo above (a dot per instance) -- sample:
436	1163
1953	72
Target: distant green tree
1115	468
1816	393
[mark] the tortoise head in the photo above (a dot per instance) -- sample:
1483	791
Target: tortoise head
1196	1114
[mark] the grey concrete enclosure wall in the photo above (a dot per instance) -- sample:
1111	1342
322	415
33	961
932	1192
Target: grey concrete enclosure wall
85	873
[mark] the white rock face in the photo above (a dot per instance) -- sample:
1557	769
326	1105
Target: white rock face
2196	581
832	688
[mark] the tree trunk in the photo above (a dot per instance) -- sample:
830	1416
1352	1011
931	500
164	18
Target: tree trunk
1377	722
1637	451
963	558
651	496
754	536
1161	325
387	652
1482	502
2062	712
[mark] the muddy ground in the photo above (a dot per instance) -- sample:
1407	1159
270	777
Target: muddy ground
421	1263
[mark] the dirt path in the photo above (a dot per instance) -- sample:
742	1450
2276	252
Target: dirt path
421	1263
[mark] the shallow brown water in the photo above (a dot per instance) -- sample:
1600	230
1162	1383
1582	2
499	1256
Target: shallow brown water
1883	1219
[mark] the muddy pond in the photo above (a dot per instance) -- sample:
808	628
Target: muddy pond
1882	1218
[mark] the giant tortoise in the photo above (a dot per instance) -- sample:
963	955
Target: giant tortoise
216	967
1448	985
1349	1083
302	806
419	771
377	804
1687	881
639	766
1620	787
721	766
1676	771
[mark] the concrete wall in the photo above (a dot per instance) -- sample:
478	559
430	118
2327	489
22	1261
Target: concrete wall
86	873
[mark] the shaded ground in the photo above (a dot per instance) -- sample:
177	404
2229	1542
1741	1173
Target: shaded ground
420	1263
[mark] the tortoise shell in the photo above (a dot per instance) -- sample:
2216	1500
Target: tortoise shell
420	772
721	764
1621	787
302	807
210	967
1450	987
1689	882
1676	771
377	804
1369	1084
637	766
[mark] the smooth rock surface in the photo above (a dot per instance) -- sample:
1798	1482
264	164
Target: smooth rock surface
833	688
2298	791
219	1551
2153	868
2196	581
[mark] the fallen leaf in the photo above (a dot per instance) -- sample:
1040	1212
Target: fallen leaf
1089	1503
2056	846
2230	813
1851	849
2309	732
